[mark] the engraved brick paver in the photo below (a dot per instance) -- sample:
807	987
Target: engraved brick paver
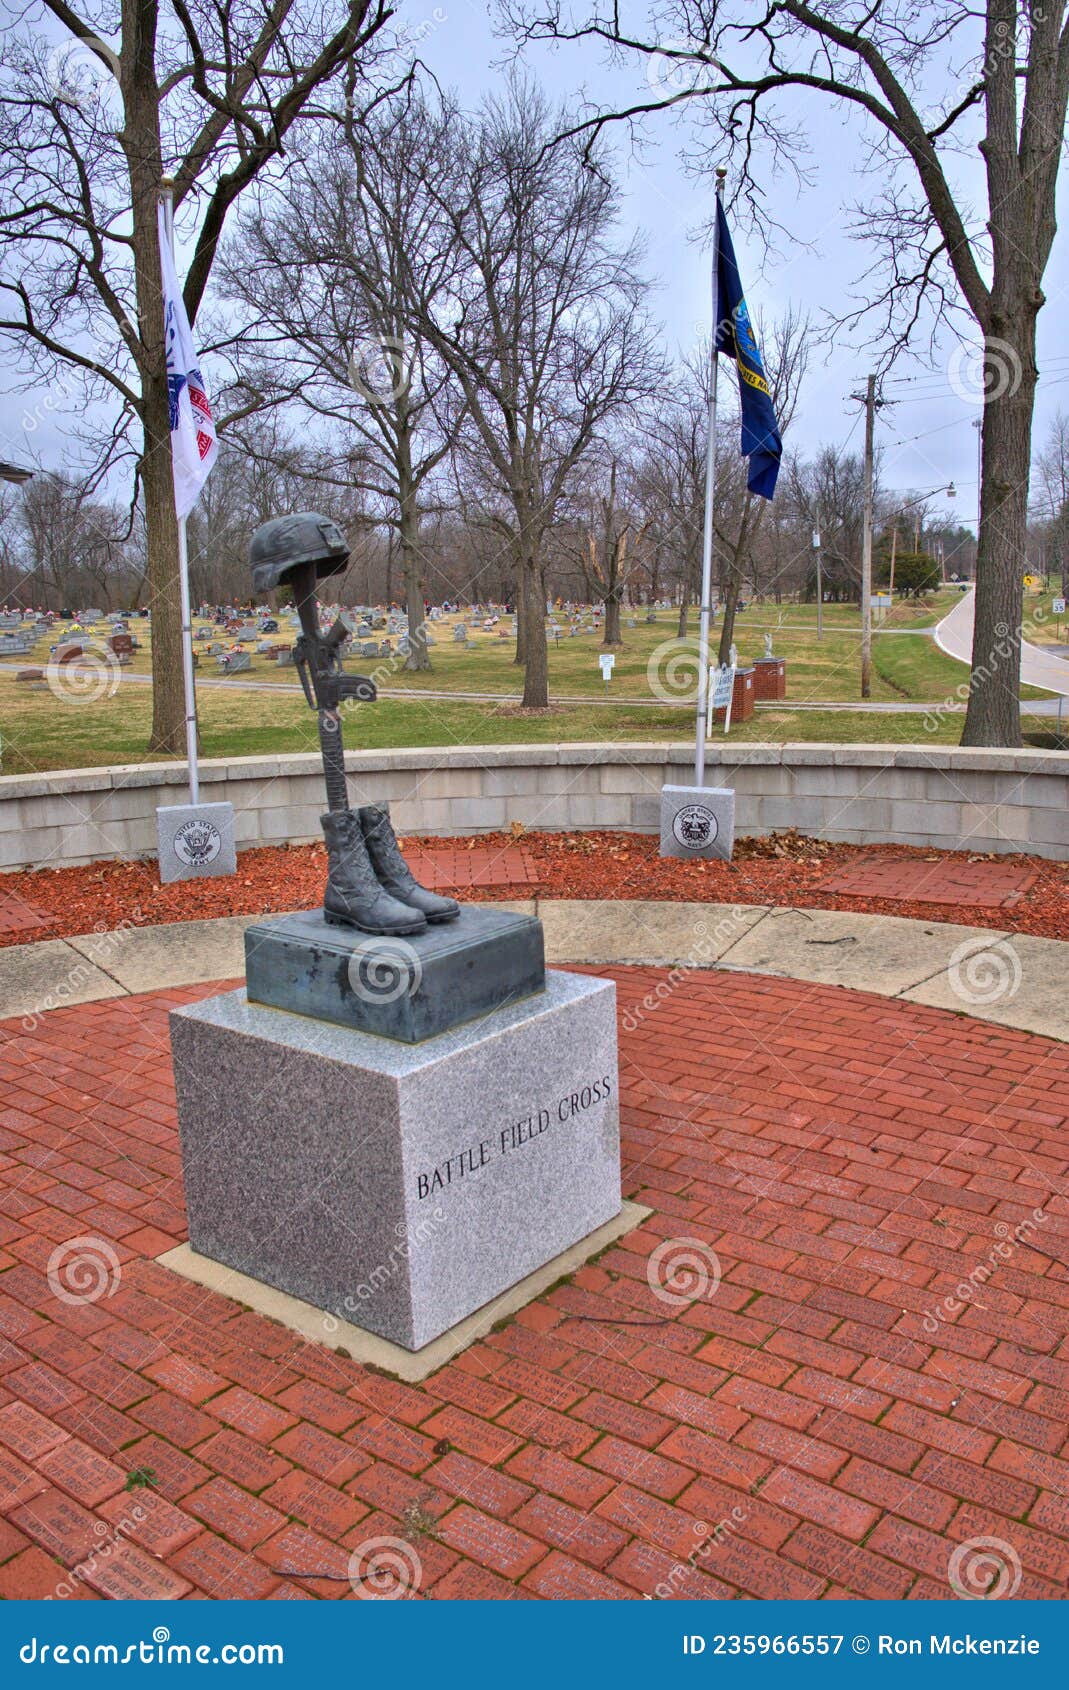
826	1414
983	884
447	868
17	916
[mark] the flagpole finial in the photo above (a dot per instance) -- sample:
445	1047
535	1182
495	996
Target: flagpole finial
721	175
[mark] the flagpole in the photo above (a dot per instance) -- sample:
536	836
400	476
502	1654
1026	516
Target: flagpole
705	610
188	688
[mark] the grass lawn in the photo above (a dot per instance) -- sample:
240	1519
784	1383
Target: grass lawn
39	731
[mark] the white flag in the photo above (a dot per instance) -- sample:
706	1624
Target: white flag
193	439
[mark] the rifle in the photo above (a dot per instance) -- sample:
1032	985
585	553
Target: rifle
326	686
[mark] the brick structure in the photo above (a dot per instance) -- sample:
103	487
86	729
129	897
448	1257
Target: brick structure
840	1161
770	678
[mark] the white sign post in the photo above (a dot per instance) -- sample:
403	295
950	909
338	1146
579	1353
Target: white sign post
606	659
721	693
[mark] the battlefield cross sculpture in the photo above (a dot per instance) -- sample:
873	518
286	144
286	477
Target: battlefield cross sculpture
369	884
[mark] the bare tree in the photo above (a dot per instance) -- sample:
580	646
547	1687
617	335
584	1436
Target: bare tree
542	326
1002	75
1052	467
828	491
205	90
70	541
670	485
331	267
608	533
786	350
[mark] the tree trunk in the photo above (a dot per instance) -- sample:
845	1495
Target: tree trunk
141	144
993	714
727	632
389	569
418	651
734	585
536	669
612	634
520	659
684	612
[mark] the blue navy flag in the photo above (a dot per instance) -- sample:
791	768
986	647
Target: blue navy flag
761	441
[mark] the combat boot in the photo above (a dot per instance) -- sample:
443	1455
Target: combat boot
354	896
393	872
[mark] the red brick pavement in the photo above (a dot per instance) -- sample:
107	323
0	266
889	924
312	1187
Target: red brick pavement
17	916
827	1364
448	868
980	885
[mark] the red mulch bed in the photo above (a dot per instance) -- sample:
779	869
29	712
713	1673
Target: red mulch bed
780	869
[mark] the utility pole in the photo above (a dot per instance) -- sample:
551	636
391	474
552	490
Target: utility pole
866	543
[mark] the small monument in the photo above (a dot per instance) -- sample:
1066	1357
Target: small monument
403	1113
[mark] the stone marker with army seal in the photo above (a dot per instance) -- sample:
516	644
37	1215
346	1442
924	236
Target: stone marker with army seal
402	1113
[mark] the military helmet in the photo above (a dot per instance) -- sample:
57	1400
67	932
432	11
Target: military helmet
279	546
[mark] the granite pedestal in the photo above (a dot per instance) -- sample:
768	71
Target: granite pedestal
697	821
400	988
195	841
399	1186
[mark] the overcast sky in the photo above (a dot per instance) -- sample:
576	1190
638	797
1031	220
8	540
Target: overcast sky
926	436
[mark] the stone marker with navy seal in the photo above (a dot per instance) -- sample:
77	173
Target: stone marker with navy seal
697	821
402	1113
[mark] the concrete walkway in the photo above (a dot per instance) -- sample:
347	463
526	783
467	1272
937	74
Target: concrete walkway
1012	980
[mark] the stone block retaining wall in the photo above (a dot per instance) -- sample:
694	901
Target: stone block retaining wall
865	794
